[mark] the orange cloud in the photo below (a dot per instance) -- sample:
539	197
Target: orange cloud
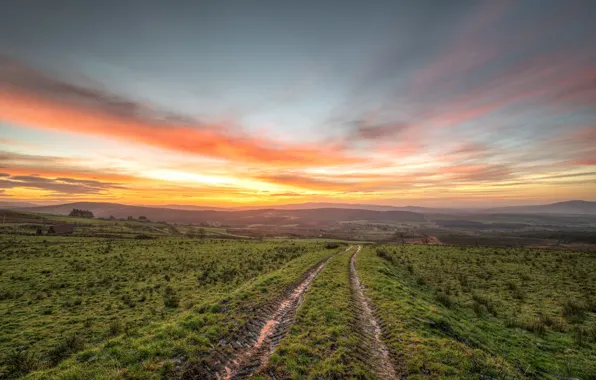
82	175
52	166
361	182
305	182
31	99
585	162
26	109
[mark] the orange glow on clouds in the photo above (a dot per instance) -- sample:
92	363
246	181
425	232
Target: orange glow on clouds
161	160
34	111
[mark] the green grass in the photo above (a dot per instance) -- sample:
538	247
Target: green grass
322	344
27	223
320	240
114	295
470	312
89	307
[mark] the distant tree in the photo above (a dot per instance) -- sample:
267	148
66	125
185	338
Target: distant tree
142	217
425	239
201	233
130	218
112	217
81	213
399	236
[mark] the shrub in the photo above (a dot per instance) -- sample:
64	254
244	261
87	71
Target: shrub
518	294
66	347
21	362
582	334
144	237
382	253
444	299
574	310
556	324
115	328
486	302
537	326
478	308
170	299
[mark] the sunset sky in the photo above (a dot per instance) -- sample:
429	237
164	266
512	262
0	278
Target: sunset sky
228	103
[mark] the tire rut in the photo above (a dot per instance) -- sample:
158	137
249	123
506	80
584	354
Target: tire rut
369	326
254	356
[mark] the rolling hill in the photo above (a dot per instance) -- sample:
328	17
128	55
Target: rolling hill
563	208
320	205
233	218
15	204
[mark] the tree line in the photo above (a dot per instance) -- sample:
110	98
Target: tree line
81	213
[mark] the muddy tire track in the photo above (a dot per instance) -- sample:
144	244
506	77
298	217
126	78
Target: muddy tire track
273	331
369	326
248	350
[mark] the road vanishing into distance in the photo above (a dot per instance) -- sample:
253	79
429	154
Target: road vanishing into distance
269	329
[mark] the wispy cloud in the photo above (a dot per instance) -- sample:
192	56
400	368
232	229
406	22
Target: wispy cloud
30	98
68	186
496	100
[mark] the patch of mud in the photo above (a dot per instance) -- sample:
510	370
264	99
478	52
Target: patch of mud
433	240
249	351
369	326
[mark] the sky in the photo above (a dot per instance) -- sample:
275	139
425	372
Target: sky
264	102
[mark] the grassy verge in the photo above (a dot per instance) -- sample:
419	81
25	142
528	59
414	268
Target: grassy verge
323	344
453	312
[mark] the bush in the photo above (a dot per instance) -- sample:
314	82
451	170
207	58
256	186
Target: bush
536	326
478	309
516	291
486	302
170	299
444	299
582	335
382	253
144	237
115	328
556	324
65	348
21	362
574	310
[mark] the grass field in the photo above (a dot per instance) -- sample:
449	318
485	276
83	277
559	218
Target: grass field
168	306
498	313
59	295
26	223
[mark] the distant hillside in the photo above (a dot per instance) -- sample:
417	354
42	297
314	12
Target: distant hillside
292	206
319	205
235	218
193	207
568	208
358	206
15	204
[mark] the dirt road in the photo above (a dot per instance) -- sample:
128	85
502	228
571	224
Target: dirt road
256	356
369	326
